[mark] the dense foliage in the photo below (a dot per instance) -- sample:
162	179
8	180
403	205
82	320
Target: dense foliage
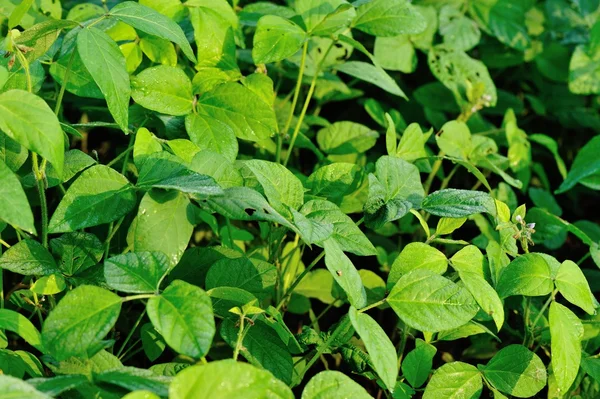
302	198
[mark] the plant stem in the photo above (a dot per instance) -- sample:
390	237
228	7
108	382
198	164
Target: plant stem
434	169
63	86
7	245
324	346
240	339
373	305
311	90
299	278
25	65
402	345
541	313
294	102
134	297
135	326
39	174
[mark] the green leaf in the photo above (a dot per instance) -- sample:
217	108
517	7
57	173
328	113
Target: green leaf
17	14
417	364
584	73
396	53
454	139
449	225
380	348
453	203
527	275
105	62
572	284
470	259
40	37
163	89
318	284
99	195
77	252
279	184
393	191
153	23
429	302
214	36
516	371
255	276
211	134
49	285
566	332
333	385
412	144
136	272
325	17
389	18
262	347
224	379
504	19
241	109
372	74
417	256
145	145
11	387
458	31
346	138
56	385
13	154
28	120
225	298
585	166
20	325
276	39
166	171
485	296
183	315
344	273
456	380
132	378
163	224
80	82
347	234
152	342
29	258
14	207
467	78
243	203
77	325
334	180
207	162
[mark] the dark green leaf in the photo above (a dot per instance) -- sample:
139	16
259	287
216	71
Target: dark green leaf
183	315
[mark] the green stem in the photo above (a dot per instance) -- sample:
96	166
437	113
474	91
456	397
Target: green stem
294	102
128	354
7	245
311	90
541	312
240	339
39	179
373	305
131	331
139	296
402	345
25	65
63	86
324	346
434	170
299	279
